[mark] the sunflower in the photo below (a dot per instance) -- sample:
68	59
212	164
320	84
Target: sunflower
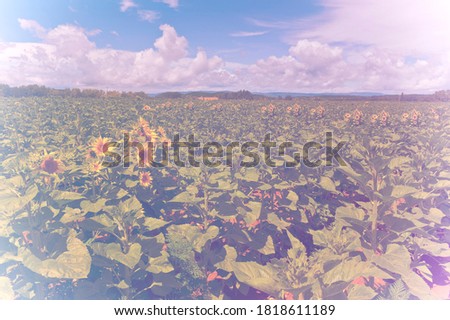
374	118
145	179
142	123
51	165
100	146
150	134
95	166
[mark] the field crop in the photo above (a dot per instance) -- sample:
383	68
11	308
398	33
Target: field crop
86	212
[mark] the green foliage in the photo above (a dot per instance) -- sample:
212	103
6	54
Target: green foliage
377	228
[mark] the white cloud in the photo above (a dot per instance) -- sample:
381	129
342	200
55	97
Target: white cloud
66	57
386	46
33	26
170	3
328	53
148	15
127	4
410	28
248	33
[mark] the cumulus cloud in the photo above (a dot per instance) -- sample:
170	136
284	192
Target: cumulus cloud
337	51
127	4
385	46
66	57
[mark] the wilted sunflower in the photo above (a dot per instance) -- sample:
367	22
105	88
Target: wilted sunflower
145	179
51	165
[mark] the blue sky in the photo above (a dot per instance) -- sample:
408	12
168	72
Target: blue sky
261	45
211	25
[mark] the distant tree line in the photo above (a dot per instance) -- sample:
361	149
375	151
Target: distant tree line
42	91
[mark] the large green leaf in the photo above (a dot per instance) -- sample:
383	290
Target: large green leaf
269	247
348	270
396	259
193	235
75	263
185	197
260	277
113	251
160	264
153	223
327	184
11	201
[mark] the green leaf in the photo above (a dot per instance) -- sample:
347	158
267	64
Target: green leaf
351	212
435	215
417	286
327	184
64	197
153	223
435	248
348	270
272	218
253	214
399	162
94	207
185	197
113	251
269	247
160	264
71	214
396	259
263	278
75	263
11	201
360	292
230	257
194	235
402	190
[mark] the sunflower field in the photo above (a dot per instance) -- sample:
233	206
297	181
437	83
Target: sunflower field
374	227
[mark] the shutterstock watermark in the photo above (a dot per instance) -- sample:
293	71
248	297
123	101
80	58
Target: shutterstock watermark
189	152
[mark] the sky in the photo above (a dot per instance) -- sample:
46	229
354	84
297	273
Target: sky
259	45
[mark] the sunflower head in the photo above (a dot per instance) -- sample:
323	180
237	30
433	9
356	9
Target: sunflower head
145	179
95	166
51	165
100	146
